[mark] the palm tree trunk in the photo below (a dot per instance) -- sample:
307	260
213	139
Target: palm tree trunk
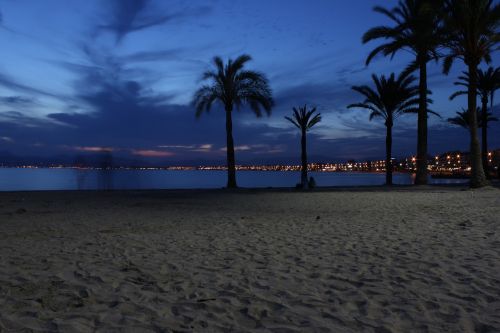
484	133
388	155
231	164
477	178
421	176
492	96
303	177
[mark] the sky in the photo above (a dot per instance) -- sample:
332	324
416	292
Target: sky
80	77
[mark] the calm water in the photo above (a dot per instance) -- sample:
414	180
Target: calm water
69	179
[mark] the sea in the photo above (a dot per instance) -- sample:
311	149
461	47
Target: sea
38	179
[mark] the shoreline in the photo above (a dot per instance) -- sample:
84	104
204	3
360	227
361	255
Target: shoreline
320	189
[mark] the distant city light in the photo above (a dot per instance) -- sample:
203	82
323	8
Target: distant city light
448	163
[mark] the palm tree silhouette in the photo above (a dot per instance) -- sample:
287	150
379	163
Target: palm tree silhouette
391	98
463	120
417	29
471	35
304	120
232	85
487	83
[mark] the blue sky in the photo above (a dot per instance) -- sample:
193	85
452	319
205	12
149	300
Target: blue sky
78	76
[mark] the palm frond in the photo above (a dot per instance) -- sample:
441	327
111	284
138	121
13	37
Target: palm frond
374	53
458	93
447	63
412	67
316	119
463	118
390	14
303	118
234	86
292	121
416	28
391	97
219	64
204	98
471	30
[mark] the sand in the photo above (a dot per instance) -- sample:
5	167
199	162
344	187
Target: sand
403	260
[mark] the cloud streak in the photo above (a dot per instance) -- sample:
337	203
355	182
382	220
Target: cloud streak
12	84
17	101
151	153
128	16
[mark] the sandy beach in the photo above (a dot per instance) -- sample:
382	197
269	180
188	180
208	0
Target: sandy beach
425	260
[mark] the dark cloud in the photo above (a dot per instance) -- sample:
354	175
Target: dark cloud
12	121
17	101
160	55
118	110
14	85
129	16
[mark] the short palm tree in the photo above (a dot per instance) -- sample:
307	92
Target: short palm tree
487	83
391	98
417	28
463	120
233	86
471	35
304	120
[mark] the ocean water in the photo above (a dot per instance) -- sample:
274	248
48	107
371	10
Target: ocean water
71	179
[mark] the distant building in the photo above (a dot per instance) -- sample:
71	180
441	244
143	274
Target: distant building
450	162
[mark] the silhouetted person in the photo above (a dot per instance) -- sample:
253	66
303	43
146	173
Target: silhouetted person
312	182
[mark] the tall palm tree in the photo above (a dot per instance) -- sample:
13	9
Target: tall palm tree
232	85
304	120
487	83
417	28
462	119
471	35
391	98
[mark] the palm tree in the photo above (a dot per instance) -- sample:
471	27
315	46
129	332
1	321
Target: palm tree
487	83
417	29
304	120
232	85
391	98
471	35
462	119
